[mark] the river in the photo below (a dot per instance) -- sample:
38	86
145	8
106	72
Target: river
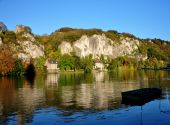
83	99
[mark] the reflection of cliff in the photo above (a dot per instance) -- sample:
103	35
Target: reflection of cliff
100	90
104	92
84	96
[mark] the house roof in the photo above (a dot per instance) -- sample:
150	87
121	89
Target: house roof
52	61
97	61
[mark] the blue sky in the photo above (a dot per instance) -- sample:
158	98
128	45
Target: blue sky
143	18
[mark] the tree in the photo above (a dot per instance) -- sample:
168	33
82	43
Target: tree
113	65
155	53
7	60
151	52
39	63
66	62
18	69
77	62
87	64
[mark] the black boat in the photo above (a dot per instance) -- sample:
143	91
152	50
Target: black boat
140	96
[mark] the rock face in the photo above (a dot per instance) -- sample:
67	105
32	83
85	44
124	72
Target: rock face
0	40
28	46
3	27
98	45
126	47
22	28
31	50
65	47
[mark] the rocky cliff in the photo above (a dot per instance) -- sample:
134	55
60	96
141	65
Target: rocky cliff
30	49
97	45
83	42
23	43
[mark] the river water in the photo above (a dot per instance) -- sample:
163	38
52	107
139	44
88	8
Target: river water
83	99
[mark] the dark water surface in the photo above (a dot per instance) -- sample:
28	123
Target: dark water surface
83	99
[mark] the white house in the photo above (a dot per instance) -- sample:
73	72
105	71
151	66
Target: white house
51	65
98	65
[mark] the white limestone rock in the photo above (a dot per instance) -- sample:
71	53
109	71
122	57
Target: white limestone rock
25	57
98	45
22	28
29	36
82	46
0	40
28	48
126	47
32	49
65	47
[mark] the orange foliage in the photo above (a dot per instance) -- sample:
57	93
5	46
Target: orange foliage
7	61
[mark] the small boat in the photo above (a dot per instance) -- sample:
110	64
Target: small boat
140	96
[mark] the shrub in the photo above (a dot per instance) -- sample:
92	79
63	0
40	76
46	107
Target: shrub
8	37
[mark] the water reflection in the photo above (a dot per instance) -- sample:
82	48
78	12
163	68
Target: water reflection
73	92
52	79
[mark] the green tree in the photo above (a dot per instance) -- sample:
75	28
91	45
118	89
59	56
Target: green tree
114	64
18	68
87	64
39	63
66	62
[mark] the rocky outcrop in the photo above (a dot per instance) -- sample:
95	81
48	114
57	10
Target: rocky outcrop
3	27
98	45
127	46
30	49
65	47
0	40
22	28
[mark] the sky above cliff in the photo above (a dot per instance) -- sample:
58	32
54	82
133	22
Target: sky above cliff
143	18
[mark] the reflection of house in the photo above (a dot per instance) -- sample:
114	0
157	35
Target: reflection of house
99	76
98	65
52	79
51	65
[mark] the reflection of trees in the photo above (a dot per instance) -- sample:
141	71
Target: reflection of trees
7	98
22	101
28	100
99	90
75	91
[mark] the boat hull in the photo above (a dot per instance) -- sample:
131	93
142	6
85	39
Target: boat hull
140	96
